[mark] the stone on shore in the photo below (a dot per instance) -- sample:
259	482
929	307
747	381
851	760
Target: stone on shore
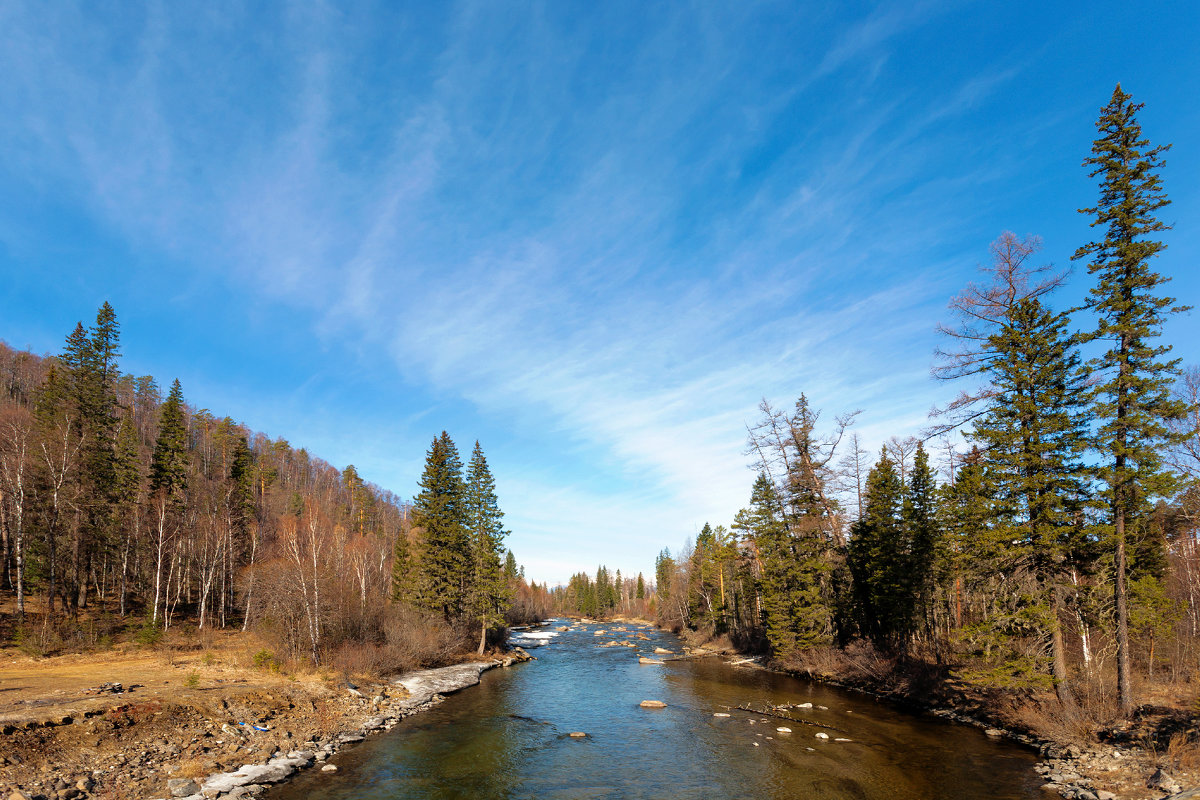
182	787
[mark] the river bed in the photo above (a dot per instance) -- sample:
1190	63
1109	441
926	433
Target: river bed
509	737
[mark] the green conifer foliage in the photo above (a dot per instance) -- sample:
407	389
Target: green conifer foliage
878	557
664	571
922	529
168	466
1133	401
444	550
484	521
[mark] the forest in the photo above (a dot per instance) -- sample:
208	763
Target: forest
1039	538
124	514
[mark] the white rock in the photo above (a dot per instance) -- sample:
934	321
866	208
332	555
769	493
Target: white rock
822	735
329	768
720	714
784	730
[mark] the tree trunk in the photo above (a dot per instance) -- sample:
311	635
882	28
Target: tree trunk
1062	678
1124	693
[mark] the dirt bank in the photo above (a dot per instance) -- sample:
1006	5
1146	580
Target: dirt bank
122	725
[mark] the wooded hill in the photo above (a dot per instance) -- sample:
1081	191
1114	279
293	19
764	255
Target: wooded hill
117	504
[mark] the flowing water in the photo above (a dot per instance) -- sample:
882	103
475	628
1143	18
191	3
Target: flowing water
508	737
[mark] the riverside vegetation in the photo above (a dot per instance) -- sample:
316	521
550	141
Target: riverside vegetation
1050	580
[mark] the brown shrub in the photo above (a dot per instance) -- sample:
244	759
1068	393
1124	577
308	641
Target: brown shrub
411	640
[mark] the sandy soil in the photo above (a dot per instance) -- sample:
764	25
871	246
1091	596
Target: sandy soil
174	716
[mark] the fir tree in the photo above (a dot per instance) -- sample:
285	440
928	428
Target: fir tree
168	466
1133	402
641	587
484	521
922	530
443	559
878	559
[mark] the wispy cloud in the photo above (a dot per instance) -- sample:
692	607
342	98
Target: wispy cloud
594	237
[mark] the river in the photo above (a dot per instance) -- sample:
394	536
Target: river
508	737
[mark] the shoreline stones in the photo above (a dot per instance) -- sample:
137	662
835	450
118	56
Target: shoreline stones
425	690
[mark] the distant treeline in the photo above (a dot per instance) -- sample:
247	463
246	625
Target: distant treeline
1058	552
122	503
608	594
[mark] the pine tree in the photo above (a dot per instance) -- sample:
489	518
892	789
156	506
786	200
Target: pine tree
641	587
484	521
664	570
403	585
1034	435
443	557
878	559
128	481
1133	402
168	466
921	522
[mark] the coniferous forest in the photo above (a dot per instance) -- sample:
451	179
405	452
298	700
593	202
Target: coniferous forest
124	513
1039	538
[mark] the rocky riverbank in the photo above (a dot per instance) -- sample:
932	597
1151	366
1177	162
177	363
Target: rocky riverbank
1118	767
231	738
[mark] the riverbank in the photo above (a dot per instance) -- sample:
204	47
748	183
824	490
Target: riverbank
1135	760
138	725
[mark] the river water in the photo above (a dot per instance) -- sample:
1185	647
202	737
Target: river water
508	737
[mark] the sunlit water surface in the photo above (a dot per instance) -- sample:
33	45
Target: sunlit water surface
507	738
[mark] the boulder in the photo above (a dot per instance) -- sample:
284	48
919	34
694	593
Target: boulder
822	735
329	768
1162	781
653	704
644	660
182	787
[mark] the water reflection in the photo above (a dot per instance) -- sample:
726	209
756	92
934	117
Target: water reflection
507	738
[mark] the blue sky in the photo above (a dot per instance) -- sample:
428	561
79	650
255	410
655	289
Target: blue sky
591	236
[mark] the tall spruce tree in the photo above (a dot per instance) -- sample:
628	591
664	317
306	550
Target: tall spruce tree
795	615
484	521
922	529
444	549
1133	400
168	466
1034	434
878	556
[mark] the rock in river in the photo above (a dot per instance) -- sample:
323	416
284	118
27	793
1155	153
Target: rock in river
653	704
